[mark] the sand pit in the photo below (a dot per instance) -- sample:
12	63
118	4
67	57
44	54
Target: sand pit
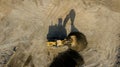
24	25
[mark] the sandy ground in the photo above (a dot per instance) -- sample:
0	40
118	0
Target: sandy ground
24	25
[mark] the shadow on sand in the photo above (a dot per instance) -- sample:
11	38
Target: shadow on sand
58	31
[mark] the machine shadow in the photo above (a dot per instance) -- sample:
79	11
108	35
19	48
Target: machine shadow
58	31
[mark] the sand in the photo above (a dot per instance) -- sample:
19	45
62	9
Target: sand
24	25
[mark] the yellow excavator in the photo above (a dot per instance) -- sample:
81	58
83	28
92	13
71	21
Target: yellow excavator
57	43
